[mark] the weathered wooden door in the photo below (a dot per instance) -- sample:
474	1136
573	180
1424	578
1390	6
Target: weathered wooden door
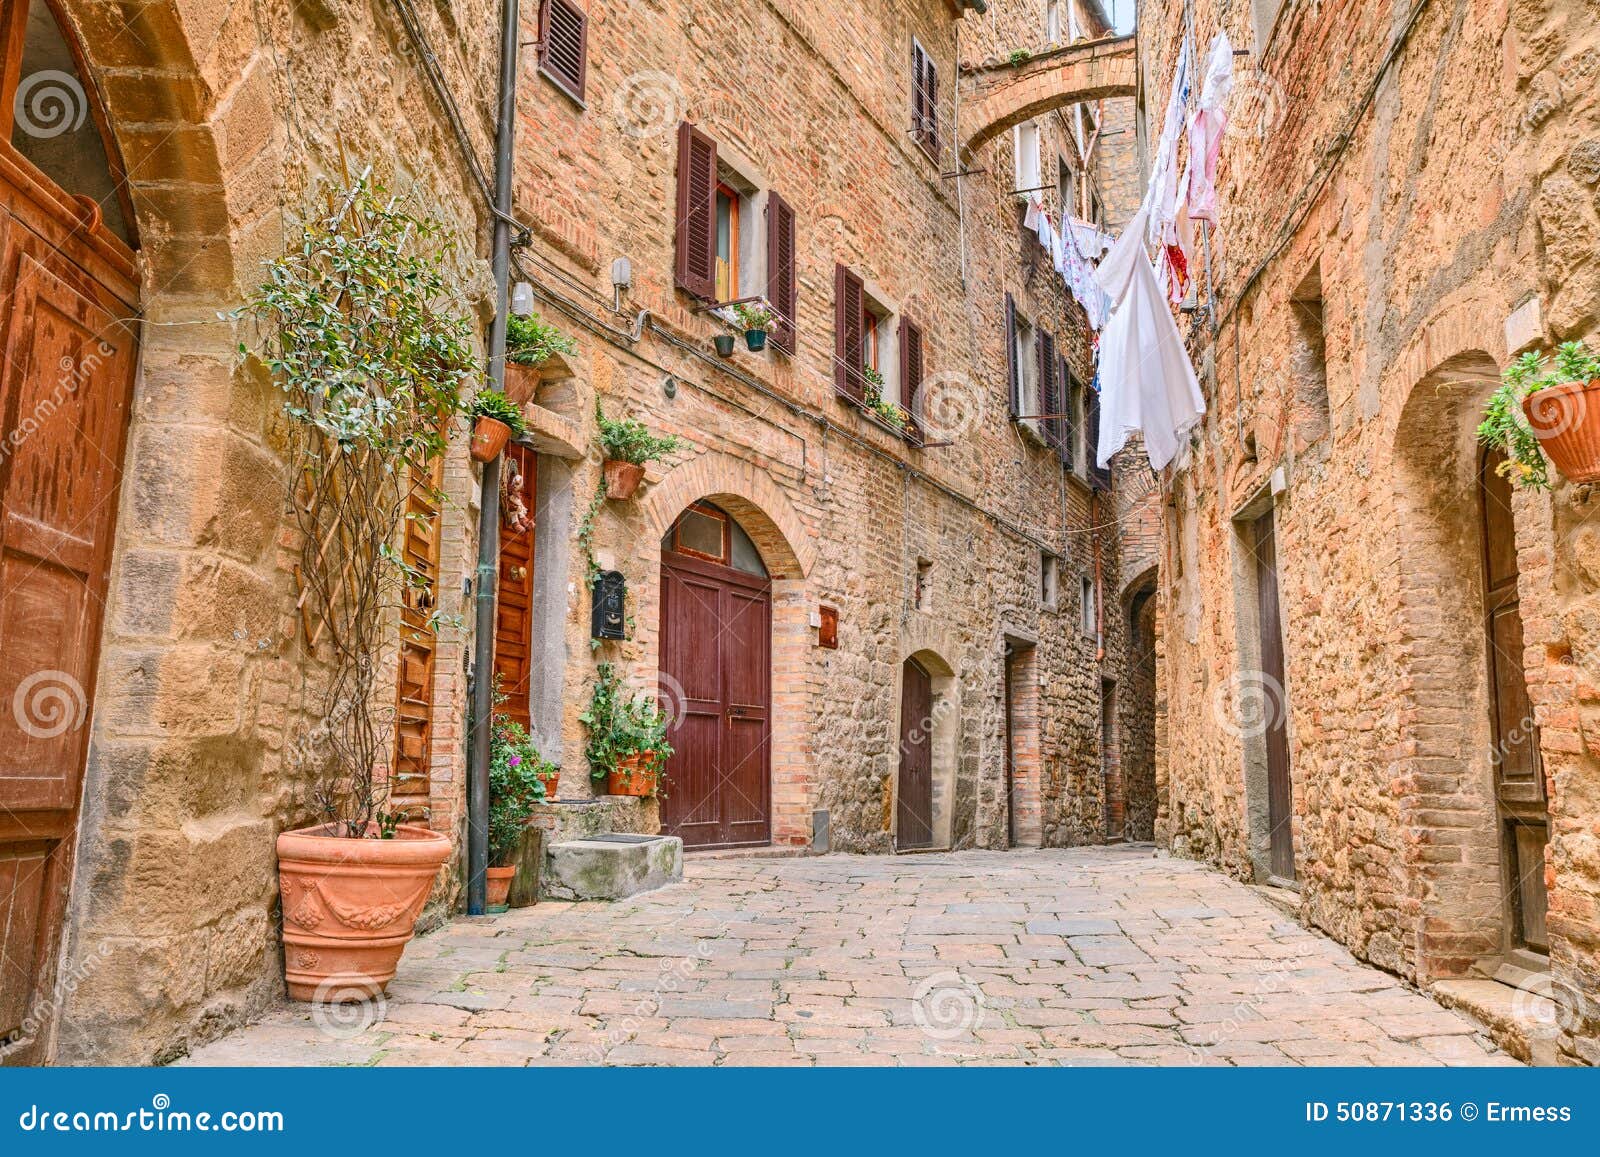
1011	750
68	296
716	667
513	623
1280	789
1518	773
914	797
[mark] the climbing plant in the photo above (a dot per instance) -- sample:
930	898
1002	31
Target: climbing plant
360	331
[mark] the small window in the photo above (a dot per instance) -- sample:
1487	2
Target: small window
1027	371
707	532
1049	580
1025	145
1087	604
564	46
727	242
1309	366
924	100
1067	186
922	595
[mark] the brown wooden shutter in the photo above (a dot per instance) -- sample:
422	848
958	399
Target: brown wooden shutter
849	325
924	99
1013	371
411	789
1071	390
1099	477
931	88
697	212
911	373
564	46
782	282
1049	395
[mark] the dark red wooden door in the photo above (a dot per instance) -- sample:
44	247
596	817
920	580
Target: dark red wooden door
513	622
716	666
1280	789
1519	773
914	798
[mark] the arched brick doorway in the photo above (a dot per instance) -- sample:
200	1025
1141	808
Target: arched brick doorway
69	296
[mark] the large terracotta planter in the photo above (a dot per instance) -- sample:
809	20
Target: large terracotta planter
497	887
632	776
1566	420
522	382
622	478
350	906
489	437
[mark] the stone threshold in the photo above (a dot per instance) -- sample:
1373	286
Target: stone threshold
1518	1018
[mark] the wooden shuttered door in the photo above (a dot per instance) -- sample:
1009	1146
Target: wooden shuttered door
849	326
564	45
1013	370
412	788
912	370
782	280
1044	349
1099	478
924	99
696	268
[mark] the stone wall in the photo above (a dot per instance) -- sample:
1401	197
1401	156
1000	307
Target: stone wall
1441	211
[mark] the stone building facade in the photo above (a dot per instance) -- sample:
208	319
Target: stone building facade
1408	202
976	558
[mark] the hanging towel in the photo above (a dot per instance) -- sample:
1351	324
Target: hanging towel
1206	129
1146	381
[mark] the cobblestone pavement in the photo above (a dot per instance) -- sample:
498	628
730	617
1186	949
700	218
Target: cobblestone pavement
1082	956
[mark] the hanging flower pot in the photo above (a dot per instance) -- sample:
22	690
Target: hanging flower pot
1566	420
622	478
497	887
350	906
724	344
756	339
633	776
489	437
755	318
550	778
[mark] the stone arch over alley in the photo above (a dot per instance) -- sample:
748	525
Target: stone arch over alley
1004	95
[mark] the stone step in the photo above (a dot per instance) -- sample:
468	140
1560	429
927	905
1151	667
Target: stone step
609	866
1519	1018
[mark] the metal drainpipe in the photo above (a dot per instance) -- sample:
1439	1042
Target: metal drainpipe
505	136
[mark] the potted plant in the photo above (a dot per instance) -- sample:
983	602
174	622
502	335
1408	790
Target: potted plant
872	394
1553	406
724	344
755	318
516	786
496	419
531	342
627	746
627	446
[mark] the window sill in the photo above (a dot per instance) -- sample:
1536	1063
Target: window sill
905	433
561	86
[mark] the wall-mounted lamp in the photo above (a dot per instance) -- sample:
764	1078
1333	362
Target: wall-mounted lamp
522	299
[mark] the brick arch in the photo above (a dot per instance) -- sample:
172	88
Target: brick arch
747	493
1007	95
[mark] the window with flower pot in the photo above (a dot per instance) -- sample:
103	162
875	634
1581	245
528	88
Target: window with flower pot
879	355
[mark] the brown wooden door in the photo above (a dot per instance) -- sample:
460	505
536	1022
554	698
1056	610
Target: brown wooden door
1518	772
412	792
69	357
716	645
1011	750
1280	789
513	622
914	797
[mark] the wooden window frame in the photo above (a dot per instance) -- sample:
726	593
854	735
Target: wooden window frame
735	198
726	558
924	99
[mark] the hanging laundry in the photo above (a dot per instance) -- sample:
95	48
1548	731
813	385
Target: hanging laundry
1146	381
1177	263
1092	243
1206	129
1161	198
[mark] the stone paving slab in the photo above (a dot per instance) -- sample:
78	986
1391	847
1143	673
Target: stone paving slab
1086	956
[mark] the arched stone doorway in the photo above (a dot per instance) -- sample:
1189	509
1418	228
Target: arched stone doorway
1136	708
926	728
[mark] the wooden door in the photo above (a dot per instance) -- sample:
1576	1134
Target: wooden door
1011	750
716	645
914	797
513	621
68	300
412	791
1518	772
1280	789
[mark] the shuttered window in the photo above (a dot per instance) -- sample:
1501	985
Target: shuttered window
911	374
1013	371
411	790
564	46
849	324
1099	478
1044	348
1071	399
696	265
782	283
924	100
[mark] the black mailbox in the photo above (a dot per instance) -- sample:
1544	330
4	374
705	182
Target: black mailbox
610	597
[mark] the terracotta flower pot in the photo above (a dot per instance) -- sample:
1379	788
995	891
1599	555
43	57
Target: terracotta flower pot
632	776
489	437
1566	420
622	478
350	906
498	887
522	382
551	780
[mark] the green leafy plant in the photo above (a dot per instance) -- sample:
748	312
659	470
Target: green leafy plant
874	383
754	315
1505	425
531	341
629	440
872	394
1019	56
621	725
516	786
493	404
371	346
